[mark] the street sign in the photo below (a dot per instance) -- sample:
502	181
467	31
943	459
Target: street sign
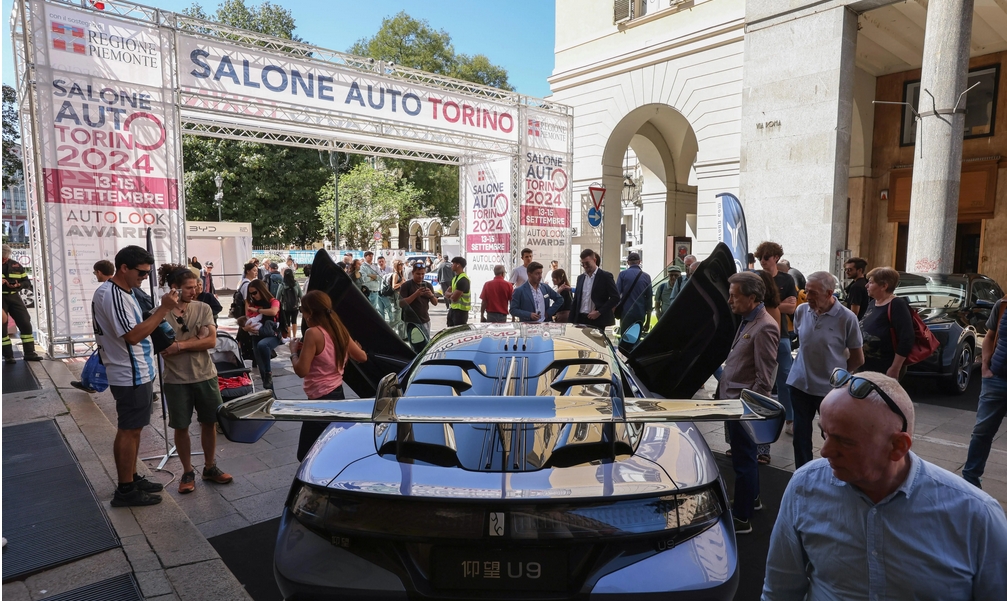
597	196
594	217
377	235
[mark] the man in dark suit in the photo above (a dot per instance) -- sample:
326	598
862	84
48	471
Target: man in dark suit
596	295
750	365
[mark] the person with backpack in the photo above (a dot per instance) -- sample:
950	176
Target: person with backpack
290	303
886	313
274	279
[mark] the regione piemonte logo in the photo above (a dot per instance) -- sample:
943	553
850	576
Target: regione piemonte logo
534	128
68	38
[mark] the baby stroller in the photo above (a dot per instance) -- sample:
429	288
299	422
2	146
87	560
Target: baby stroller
232	375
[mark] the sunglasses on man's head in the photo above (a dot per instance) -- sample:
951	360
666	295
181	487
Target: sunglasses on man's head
859	388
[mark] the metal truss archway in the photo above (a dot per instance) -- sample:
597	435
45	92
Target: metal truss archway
84	76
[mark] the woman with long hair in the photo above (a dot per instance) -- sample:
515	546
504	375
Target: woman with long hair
289	303
260	303
561	284
355	273
320	358
398	278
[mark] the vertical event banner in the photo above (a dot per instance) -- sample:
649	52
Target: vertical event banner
732	229
486	215
544	212
106	121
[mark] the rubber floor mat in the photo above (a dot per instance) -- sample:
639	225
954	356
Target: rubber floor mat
50	513
18	377
118	588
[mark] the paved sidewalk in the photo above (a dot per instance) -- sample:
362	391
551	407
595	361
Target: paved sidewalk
167	554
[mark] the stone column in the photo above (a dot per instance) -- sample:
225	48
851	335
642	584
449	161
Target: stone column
796	118
611	214
937	172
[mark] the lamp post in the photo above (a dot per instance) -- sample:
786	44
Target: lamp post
218	198
336	165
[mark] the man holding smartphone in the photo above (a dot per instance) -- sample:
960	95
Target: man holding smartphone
417	295
123	338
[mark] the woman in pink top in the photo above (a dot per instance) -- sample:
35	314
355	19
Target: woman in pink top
320	358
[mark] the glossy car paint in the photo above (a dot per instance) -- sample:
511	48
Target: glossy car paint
506	465
959	330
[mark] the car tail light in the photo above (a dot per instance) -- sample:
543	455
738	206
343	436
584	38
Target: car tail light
330	512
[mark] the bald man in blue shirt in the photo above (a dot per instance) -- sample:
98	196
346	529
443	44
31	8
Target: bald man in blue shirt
872	520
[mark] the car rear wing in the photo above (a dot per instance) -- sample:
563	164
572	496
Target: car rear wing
247	418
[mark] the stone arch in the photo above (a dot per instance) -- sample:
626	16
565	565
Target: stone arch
666	146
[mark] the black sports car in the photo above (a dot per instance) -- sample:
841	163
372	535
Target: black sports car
955	307
515	461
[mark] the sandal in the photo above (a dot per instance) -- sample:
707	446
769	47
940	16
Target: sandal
764	459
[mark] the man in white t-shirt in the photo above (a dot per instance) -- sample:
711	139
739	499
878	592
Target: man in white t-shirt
123	338
520	274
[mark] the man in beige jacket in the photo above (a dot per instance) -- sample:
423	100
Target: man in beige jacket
750	365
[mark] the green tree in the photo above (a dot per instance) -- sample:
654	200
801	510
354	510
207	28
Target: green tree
413	43
369	199
273	187
12	167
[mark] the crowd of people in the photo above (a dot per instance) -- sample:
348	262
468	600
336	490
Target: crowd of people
849	524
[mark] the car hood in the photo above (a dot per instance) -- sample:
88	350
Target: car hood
669	457
694	337
386	352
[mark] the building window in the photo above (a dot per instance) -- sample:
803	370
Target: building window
627	10
980	105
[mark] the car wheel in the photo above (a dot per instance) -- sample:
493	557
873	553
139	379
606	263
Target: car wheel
961	371
28	298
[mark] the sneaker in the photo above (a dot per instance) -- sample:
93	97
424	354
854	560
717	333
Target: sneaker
146	485
134	498
789	428
215	474
80	386
188	483
742	526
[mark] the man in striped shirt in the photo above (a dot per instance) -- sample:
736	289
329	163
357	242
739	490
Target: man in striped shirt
123	338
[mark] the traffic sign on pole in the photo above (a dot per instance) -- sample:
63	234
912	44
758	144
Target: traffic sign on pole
594	217
597	196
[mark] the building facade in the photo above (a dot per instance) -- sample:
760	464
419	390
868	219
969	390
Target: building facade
781	103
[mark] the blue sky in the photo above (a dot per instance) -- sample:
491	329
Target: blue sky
517	35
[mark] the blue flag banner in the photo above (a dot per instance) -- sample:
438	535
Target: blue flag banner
732	229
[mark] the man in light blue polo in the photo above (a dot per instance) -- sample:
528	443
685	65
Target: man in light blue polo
828	332
872	520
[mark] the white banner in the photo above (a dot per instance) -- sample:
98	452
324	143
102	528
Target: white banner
109	152
486	215
226	71
546	194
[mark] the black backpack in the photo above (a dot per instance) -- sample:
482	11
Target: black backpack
288	299
237	305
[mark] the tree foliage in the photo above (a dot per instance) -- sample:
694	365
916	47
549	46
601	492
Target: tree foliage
273	187
370	198
12	167
412	43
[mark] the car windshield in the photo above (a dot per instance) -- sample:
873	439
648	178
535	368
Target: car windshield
934	293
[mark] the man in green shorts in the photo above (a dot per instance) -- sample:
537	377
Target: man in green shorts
190	379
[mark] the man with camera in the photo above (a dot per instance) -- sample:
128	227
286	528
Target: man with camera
417	296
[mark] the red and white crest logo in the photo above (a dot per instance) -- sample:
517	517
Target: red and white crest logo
534	128
68	38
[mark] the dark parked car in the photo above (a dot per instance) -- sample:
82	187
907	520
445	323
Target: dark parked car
515	461
955	307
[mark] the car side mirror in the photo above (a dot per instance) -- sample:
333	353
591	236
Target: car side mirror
417	337
632	334
768	429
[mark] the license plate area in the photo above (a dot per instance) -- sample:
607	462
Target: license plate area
531	569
